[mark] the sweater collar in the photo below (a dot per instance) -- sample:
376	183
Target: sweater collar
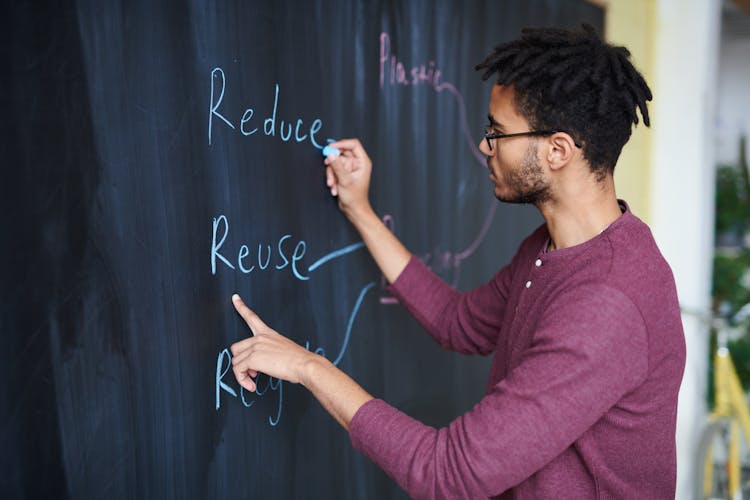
564	253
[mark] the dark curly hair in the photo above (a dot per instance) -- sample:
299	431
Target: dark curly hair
575	82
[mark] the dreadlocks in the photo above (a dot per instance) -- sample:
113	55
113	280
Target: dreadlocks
574	82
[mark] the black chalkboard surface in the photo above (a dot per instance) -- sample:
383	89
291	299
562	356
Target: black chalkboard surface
158	157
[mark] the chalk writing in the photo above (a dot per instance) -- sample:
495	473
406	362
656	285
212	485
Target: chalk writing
425	74
244	257
393	72
400	74
349	325
219	233
224	363
294	128
335	255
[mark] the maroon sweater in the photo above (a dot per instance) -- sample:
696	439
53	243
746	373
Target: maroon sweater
582	397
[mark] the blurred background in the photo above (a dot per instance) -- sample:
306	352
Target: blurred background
687	176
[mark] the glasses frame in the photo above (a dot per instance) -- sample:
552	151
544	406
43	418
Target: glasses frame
491	135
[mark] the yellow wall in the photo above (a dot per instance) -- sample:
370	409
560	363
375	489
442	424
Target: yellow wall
632	23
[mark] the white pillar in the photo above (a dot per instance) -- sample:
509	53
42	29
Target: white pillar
683	110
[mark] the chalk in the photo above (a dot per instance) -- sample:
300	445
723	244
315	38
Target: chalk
328	150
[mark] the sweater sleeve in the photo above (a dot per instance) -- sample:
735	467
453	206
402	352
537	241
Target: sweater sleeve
589	350
465	322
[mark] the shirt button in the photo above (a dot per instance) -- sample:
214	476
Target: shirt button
538	262
528	284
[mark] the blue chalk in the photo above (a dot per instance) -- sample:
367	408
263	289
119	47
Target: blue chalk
328	150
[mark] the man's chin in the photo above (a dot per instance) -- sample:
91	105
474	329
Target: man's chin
516	200
508	198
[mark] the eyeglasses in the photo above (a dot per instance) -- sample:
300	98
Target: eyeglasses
488	134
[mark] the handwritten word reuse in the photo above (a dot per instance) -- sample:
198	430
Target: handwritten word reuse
245	260
286	129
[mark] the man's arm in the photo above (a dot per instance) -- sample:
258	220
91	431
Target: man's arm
348	177
467	323
570	376
275	355
567	380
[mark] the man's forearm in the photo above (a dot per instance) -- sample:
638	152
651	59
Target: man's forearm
335	390
389	253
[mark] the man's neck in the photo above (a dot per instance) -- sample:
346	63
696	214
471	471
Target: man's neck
575	220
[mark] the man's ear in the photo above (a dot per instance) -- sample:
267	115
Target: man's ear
561	150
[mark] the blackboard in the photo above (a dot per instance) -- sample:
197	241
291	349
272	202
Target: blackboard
158	157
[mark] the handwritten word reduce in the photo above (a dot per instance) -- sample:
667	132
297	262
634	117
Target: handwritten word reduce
423	74
262	258
286	129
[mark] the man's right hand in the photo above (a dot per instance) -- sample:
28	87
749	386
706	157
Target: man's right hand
348	177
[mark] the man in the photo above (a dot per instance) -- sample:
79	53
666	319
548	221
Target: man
584	321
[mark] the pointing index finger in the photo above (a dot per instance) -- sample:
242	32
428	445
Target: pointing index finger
253	320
